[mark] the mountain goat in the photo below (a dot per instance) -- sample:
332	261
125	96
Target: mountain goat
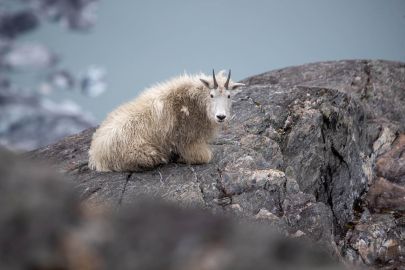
176	118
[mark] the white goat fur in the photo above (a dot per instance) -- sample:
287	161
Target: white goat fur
170	118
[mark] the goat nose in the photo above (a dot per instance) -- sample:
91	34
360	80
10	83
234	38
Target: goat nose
221	117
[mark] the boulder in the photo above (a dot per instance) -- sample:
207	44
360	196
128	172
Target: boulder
301	152
45	225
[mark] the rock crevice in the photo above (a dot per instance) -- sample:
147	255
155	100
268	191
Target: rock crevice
301	152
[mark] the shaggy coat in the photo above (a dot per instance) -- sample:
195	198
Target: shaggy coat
169	119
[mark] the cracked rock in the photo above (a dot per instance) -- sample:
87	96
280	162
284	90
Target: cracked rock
44	225
303	147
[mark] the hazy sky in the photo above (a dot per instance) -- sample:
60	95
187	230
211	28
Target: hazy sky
143	42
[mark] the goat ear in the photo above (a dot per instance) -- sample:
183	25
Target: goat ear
237	85
205	82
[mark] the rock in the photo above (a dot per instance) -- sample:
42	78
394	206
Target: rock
265	214
30	71
36	212
391	165
384	195
15	24
378	241
302	146
44	226
192	239
28	121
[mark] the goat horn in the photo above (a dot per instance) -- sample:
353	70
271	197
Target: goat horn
227	80
215	80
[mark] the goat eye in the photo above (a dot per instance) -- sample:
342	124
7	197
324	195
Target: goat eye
212	95
229	96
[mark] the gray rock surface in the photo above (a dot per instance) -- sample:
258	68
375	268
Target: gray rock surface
37	210
44	225
300	153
